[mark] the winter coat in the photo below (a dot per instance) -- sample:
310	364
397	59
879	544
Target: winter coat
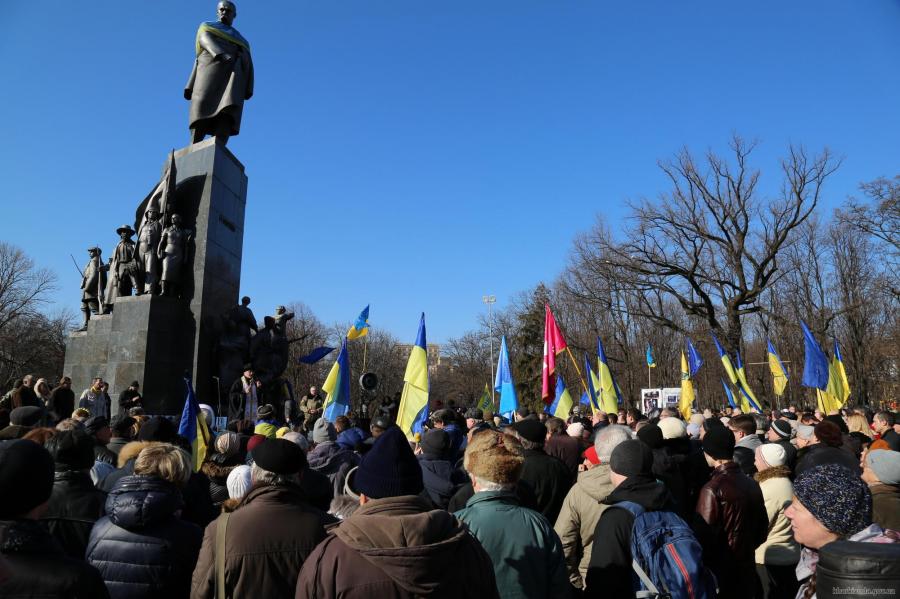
779	548
732	523
267	539
198	506
745	454
544	483
116	444
819	454
566	448
578	518
102	454
526	552
75	504
142	547
333	461
62	403
609	571
398	548
886	505
38	567
441	479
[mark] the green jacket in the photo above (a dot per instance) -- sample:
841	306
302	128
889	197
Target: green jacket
527	554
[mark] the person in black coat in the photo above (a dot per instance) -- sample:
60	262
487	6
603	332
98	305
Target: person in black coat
142	547
35	565
440	477
545	480
826	449
62	400
75	503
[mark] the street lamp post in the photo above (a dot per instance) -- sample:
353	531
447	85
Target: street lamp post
490	300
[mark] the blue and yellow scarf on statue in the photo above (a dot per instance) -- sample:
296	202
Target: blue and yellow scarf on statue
223	31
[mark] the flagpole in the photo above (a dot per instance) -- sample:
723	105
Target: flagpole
648	377
365	351
575	364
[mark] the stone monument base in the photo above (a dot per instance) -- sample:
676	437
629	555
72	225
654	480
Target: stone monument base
147	338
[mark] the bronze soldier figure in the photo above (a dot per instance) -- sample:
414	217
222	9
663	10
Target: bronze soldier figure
172	252
124	271
93	282
148	242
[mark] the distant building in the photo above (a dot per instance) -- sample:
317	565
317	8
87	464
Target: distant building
432	352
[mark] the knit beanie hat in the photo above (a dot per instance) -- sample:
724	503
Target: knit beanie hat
298	439
28	468
238	482
435	444
530	430
575	430
805	431
72	450
885	464
495	457
323	431
697	419
782	428
718	443
389	469
265	412
693	431
836	497
279	456
631	458
228	443
254	441
652	435
772	454
672	428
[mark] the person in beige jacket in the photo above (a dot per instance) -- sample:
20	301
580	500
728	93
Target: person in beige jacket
581	508
777	557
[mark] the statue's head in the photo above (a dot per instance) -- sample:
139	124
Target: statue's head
176	220
227	11
94	251
152	214
245	301
279	310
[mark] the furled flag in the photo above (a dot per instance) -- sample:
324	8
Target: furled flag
562	402
315	355
693	357
486	403
593	382
748	398
413	410
728	394
609	393
503	383
687	389
838	389
779	374
337	387
651	363
554	343
726	361
193	427
841	374
360	328
815	362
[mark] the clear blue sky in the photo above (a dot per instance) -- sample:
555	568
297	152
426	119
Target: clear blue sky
417	155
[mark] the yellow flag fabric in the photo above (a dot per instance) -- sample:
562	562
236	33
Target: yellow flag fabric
595	381
687	390
486	404
609	400
779	377
413	409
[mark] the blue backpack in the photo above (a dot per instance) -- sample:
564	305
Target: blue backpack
666	558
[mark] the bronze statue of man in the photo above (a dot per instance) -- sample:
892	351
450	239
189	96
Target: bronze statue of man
93	282
222	78
124	270
172	252
148	242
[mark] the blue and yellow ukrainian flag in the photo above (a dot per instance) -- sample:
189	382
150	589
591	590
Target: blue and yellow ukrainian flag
776	367
838	389
687	389
748	399
504	384
608	390
413	410
360	328
651	363
193	427
337	387
728	393
726	361
593	382
562	401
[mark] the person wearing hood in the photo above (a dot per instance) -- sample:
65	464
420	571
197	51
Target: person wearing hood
582	507
830	503
75	503
34	563
440	477
609	572
142	547
395	545
545	480
329	458
731	519
777	557
270	534
526	552
743	427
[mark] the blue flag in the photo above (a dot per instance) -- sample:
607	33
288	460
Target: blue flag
503	383
650	361
693	357
815	363
728	394
315	355
337	387
193	426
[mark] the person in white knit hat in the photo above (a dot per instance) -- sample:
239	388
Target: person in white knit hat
777	557
672	428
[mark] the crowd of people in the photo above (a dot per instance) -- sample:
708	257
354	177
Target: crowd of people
602	505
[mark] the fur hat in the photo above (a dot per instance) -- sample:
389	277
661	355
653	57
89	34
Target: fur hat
495	457
672	428
323	431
